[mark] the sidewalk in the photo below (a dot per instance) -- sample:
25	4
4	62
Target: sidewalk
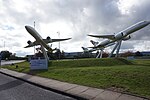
71	89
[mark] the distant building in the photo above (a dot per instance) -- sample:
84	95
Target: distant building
73	54
145	53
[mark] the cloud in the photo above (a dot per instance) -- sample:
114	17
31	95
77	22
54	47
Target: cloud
7	28
72	18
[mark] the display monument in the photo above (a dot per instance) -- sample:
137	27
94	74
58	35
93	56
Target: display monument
40	63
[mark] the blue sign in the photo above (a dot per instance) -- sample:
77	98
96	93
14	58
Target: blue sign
38	64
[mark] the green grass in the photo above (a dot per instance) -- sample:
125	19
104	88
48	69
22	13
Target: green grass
116	74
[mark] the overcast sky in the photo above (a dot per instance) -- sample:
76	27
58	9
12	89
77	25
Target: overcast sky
72	18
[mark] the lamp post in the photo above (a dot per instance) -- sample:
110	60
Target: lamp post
34	28
3	44
59	44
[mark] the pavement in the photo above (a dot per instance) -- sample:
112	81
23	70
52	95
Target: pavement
74	90
8	62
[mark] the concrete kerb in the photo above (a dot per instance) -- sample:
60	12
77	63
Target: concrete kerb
127	97
92	91
108	95
130	94
48	88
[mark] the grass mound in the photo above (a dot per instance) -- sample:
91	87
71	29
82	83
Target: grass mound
114	74
90	62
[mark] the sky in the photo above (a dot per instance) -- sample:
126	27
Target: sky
72	19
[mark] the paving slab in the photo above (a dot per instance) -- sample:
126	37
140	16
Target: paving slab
45	82
6	71
36	79
77	90
91	93
57	85
129	97
51	83
20	75
108	95
33	79
26	77
68	86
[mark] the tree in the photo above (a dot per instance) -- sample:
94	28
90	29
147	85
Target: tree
105	54
62	54
138	53
5	54
126	54
39	54
57	54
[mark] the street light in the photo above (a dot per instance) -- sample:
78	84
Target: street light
34	28
3	44
59	43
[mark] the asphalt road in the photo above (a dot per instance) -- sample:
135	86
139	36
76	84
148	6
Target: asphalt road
13	89
3	62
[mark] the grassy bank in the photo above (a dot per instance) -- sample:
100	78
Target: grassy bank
114	74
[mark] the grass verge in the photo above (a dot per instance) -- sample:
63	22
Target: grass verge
114	74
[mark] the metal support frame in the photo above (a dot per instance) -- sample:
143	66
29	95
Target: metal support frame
117	46
44	53
113	50
100	54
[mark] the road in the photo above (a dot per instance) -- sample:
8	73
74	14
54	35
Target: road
13	89
3	62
